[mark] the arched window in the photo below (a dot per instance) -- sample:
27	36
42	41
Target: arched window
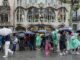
76	15
4	17
50	14
20	14
41	14
62	14
32	14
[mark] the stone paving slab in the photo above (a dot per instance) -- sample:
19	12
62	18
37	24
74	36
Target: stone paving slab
38	55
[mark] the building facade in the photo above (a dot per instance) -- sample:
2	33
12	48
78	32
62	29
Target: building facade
75	13
28	13
48	12
6	13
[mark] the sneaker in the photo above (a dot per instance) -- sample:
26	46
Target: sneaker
64	53
73	53
5	56
60	54
47	53
77	53
12	53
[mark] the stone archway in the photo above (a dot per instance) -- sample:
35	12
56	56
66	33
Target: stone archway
36	27
20	28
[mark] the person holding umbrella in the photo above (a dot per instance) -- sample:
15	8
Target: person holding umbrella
6	33
62	43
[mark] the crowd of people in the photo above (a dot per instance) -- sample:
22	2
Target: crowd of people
62	42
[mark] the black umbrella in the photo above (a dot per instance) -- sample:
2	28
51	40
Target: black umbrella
66	29
78	31
21	34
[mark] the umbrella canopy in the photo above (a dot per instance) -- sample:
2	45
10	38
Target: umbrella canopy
5	31
78	31
45	31
29	32
67	29
20	34
47	34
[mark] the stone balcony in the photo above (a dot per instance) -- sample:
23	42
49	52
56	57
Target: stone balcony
5	24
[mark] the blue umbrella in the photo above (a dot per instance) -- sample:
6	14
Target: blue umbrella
20	34
29	32
44	31
66	29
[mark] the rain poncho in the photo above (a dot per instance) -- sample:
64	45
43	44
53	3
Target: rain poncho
38	40
74	42
55	37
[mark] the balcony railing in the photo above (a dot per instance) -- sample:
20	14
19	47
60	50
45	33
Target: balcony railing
5	24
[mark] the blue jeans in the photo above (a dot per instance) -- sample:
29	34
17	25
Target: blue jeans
14	47
30	44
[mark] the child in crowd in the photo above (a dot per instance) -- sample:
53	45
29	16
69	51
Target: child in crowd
48	47
15	41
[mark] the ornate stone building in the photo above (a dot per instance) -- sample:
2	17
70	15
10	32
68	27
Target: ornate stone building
47	12
6	14
37	14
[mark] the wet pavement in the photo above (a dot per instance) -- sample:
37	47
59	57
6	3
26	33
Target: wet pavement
38	55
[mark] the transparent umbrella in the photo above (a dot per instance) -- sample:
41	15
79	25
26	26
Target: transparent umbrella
5	31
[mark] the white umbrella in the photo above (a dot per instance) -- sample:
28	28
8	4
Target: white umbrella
5	31
66	28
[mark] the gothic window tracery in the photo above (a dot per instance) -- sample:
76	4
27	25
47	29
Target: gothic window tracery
20	15
62	14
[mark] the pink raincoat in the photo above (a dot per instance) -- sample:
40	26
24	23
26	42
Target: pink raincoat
47	47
